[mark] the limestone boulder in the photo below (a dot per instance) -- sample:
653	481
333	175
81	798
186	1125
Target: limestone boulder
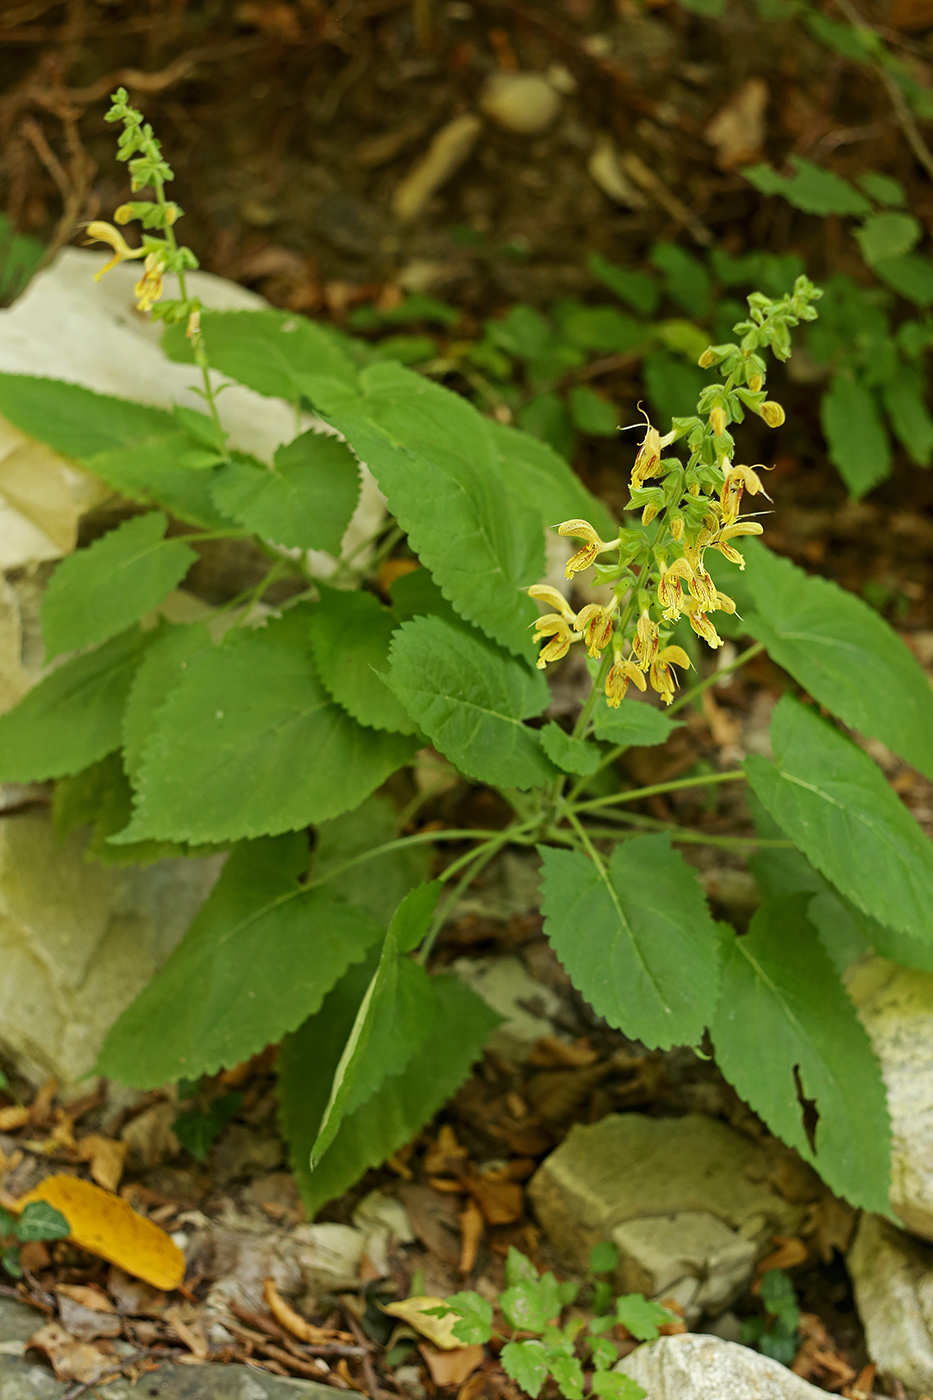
892	1277
691	1367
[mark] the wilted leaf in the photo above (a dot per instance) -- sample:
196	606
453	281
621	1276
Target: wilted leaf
419	1313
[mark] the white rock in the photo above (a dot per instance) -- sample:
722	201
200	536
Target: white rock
892	1277
378	1211
691	1256
526	103
448	150
329	1255
700	1367
895	1005
507	986
78	941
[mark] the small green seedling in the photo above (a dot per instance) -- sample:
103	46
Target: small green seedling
775	1335
38	1221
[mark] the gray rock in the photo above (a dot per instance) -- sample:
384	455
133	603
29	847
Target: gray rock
507	986
686	1201
892	1276
895	1005
78	941
701	1367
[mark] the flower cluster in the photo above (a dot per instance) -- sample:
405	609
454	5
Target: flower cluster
659	580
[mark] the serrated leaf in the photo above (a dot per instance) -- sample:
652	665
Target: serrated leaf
910	275
163	665
835	805
244	747
395	1019
632	723
388	878
260	956
40	1221
414	916
388	1120
152	471
591	413
569	754
636	938
269	351
640	1316
638	289
905	400
470	699
73	717
305	500
518	1268
614	1385
566	1372
101	798
887	235
350	637
884	189
104	589
475	1314
604	1258
526	1364
415	594
843	653
783	1013
530	1304
198	1129
810	188
858	441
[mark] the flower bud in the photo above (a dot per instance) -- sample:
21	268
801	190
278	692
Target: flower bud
649	512
677	527
756	382
717	419
123	214
708	358
772	413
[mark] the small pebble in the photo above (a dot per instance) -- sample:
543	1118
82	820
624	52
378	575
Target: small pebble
525	103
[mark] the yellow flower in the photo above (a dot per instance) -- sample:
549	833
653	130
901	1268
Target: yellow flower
727	551
702	626
723	603
738	480
544	593
595	624
554	626
149	288
741	527
670	588
645	641
617	681
662	677
583	530
100	232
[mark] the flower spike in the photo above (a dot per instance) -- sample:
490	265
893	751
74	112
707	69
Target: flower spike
583	530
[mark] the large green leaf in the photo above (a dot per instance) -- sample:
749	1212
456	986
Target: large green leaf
107	587
350	637
163	665
379	885
548	485
835	805
391	1117
843	653
633	723
785	1029
73	717
395	1019
858	441
305	500
261	955
905	400
266	350
635	936
810	188
249	743
470	698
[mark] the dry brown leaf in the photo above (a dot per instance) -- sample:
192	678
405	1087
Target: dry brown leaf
13	1117
298	1326
192	1339
738	129
445	1157
107	1226
91	1298
70	1360
501	1201
472	1225
789	1253
449	1368
105	1157
829	1226
86	1313
34	1257
439	1330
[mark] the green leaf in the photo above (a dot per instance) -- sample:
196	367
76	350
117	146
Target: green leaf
104	589
672	386
73	717
518	1268
785	1029
604	1258
636	938
163	665
9	1260
910	275
591	413
604	1351
547	485
40	1221
470	698
641	1317
198	1129
638	289
308	1061
152	471
350	637
810	188
304	501
530	1304
843	653
475	1313
570	755
273	352
415	594
687	281
260	956
395	1019
779	1298
883	189
388	878
546	418
633	723
414	916
856	435
835	805
526	1364
905	400
887	236
600	328
244	746
614	1385
567	1372
101	797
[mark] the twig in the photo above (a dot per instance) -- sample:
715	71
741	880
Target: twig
369	1373
83	1386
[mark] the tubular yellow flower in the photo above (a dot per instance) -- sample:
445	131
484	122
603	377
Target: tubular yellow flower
617	681
670	588
100	232
738	480
727	552
724	603
717	421
553	625
677	527
645	641
149	288
583	530
741	527
702	626
662	677
595	624
544	593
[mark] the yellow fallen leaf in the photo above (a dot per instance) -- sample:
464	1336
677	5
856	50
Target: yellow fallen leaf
107	1226
439	1330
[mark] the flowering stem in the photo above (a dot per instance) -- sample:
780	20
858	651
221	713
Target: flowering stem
636	794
